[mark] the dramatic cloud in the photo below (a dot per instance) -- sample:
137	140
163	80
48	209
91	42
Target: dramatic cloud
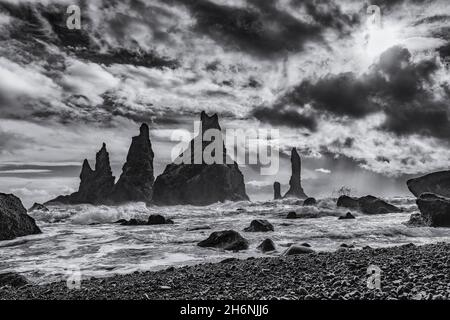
403	89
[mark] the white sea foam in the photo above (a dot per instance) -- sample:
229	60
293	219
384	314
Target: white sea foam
85	236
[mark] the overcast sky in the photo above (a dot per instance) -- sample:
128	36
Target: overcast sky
366	104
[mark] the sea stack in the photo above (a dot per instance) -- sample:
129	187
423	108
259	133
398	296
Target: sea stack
436	182
295	183
276	190
136	180
200	183
95	185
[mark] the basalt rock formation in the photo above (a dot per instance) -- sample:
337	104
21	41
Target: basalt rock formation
368	204
136	180
38	207
14	220
276	191
295	183
436	182
435	210
192	180
95	185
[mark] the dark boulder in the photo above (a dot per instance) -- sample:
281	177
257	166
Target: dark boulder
310	202
14	220
435	210
259	226
136	181
227	240
95	185
198	228
276	191
436	182
295	250
38	207
192	180
291	215
266	245
416	220
368	204
12	279
156	219
295	183
134	222
347	216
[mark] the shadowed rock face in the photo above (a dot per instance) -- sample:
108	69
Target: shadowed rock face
435	210
437	183
14	220
276	191
136	180
200	184
95	185
295	183
367	204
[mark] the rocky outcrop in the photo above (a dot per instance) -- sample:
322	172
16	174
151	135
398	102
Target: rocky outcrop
14	220
310	202
435	210
259	226
266	245
276	191
367	204
154	219
347	216
295	250
291	215
38	207
295	183
197	182
226	240
416	220
136	180
95	185
436	182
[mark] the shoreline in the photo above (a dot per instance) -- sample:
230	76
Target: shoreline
407	272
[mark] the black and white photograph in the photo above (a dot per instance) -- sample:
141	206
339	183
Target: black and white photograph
241	152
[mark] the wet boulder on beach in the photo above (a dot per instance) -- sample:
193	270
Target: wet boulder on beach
368	205
226	240
434	209
266	246
259	226
14	220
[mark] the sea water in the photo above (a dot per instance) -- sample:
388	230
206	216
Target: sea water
85	237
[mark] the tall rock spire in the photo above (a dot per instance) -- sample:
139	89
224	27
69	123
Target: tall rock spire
276	190
136	181
295	183
95	185
200	183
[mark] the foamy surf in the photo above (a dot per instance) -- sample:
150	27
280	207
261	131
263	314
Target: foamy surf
85	237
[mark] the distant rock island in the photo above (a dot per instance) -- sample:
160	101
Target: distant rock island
195	184
200	184
135	184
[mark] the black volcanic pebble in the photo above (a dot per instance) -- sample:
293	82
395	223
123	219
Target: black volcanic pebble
408	272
